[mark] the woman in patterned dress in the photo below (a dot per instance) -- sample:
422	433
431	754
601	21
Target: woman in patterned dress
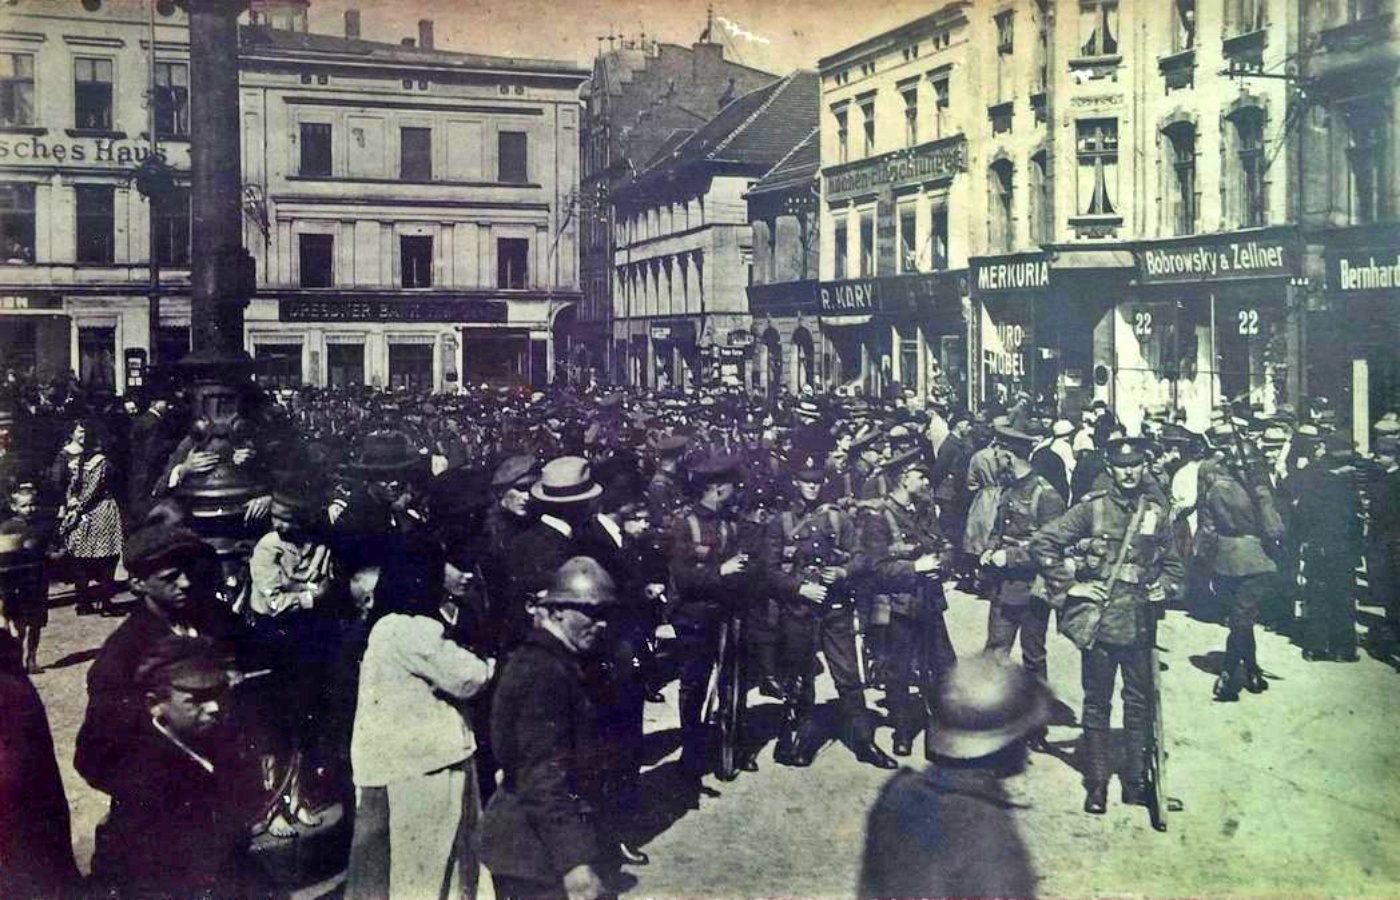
90	522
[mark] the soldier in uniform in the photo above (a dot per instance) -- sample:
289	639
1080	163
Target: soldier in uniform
665	491
907	555
811	559
1028	501
707	567
1122	584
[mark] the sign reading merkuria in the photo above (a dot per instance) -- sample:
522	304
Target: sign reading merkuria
1222	258
928	162
381	310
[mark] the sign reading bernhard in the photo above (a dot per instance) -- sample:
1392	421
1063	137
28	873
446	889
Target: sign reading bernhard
1220	258
1354	271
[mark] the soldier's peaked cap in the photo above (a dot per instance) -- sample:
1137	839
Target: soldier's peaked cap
1126	451
1017	442
716	467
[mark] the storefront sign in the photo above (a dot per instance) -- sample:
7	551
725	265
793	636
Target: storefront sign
1364	270
897	293
661	332
1218	259
345	309
1018	275
847	296
102	151
12	303
927	162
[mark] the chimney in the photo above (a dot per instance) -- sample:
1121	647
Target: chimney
425	33
352	24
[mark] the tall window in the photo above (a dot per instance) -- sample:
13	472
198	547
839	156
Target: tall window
1042	50
1042	213
1249	139
92	93
95	220
170	220
938	237
843	136
1247	15
1005	32
867	124
1098	27
1368	152
416	154
513	150
867	245
1001	223
416	261
16	90
17	223
840	241
1183	24
512	263
317	260
908	240
1181	141
315	148
172	98
1097	148
911	115
940	106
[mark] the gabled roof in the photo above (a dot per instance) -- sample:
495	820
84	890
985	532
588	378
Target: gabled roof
799	166
255	40
754	131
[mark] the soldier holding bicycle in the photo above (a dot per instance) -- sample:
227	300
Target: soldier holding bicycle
1111	562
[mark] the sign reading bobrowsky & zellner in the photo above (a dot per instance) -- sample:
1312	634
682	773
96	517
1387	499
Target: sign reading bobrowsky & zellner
1223	257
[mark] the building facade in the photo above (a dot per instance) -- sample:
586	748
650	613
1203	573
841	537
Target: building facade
77	234
897	206
411	210
639	95
684	245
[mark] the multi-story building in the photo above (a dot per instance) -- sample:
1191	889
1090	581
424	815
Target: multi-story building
82	89
1141	245
410	208
639	95
1350	207
684	248
791	351
898	203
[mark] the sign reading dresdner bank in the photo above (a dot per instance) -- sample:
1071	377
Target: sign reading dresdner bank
1354	271
1219	258
349	309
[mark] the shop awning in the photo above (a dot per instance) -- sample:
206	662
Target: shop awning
842	321
1064	260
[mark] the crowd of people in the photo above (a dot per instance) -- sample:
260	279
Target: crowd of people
454	609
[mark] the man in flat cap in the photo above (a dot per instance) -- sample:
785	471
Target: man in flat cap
1018	595
707	566
1109	595
187	791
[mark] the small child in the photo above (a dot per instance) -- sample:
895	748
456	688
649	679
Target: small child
24	583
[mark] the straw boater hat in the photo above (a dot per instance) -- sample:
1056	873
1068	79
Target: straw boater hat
566	480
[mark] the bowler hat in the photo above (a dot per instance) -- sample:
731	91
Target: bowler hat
567	479
984	704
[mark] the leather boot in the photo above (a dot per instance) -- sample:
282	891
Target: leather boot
1227	685
1097	764
1134	773
1254	680
860	733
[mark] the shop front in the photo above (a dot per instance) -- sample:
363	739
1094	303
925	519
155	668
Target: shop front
1353	329
34	334
1039	326
896	334
1211	320
674	354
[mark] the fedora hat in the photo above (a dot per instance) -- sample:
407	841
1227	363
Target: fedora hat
567	479
985	704
385	452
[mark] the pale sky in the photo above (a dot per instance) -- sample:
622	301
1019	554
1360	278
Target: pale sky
799	31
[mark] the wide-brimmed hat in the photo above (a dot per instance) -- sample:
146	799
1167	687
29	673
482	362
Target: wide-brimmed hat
384	453
984	704
567	479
